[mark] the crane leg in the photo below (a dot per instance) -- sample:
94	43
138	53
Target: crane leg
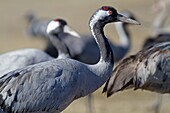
158	103
90	104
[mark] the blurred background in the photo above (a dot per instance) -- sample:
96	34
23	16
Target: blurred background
13	35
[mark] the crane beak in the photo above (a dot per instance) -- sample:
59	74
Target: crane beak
68	30
122	18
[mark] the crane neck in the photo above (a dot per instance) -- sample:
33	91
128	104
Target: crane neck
159	20
106	53
123	34
102	70
63	51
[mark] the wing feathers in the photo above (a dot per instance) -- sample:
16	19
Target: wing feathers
142	71
122	77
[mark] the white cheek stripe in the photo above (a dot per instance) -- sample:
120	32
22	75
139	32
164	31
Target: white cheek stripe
52	26
99	15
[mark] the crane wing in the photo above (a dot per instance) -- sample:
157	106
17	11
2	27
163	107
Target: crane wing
31	88
158	80
146	70
122	77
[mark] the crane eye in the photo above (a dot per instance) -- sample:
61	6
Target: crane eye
110	12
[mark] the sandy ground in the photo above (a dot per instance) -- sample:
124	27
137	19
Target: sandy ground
77	12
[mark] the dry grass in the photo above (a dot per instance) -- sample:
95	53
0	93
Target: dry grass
77	12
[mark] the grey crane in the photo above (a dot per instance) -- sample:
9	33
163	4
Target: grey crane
54	27
37	28
147	70
51	86
86	45
161	9
160	33
162	37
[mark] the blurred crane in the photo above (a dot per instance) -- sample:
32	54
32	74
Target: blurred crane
160	33
148	70
161	9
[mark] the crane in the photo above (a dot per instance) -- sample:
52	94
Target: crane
53	85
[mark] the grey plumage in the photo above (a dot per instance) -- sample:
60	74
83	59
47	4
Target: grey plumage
156	39
11	61
147	70
51	86
160	33
21	58
162	37
43	79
